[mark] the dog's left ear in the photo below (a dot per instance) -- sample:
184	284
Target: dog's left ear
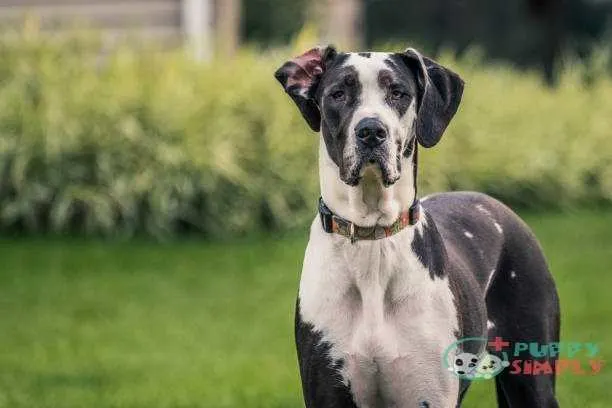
301	76
440	91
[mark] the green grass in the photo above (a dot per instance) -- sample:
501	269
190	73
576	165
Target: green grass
192	324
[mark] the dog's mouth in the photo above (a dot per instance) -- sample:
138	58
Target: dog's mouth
378	164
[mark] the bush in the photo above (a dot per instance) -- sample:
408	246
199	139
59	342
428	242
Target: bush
150	142
525	143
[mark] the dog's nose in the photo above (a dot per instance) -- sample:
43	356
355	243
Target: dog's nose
370	132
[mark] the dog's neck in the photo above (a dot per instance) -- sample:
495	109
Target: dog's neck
369	203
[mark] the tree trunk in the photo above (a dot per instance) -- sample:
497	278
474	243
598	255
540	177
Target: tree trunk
340	22
228	24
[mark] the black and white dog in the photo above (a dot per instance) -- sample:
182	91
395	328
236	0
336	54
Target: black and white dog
389	281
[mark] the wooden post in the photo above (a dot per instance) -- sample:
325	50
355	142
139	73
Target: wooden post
344	24
197	23
228	25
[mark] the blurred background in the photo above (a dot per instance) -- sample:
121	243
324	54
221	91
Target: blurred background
156	184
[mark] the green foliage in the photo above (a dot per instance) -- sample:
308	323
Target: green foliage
527	144
148	142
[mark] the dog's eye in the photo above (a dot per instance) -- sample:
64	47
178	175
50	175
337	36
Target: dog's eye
338	95
397	94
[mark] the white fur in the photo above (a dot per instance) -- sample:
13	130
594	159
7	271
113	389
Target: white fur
483	210
383	315
489	279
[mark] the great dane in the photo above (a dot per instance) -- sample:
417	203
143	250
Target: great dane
390	281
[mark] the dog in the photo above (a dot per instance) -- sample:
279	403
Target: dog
390	281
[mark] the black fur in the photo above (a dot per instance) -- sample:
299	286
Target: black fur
430	249
321	382
402	80
524	308
440	92
336	114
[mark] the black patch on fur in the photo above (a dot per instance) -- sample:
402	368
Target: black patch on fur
402	81
430	249
412	146
337	114
321	380
365	54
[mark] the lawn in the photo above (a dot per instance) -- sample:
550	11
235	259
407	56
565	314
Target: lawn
99	324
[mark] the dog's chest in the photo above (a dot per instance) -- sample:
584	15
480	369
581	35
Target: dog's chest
384	317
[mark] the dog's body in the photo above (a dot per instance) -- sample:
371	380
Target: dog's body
374	317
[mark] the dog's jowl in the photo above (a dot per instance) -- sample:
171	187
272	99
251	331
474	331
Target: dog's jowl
389	281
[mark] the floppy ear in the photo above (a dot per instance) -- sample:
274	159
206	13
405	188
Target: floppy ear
301	76
440	91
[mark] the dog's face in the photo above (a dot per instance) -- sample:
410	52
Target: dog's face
370	107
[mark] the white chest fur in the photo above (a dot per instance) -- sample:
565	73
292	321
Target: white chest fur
383	315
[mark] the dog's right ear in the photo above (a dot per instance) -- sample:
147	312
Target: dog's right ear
440	91
301	76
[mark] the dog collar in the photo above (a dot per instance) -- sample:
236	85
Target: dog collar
333	223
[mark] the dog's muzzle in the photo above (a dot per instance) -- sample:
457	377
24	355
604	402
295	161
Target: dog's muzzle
373	145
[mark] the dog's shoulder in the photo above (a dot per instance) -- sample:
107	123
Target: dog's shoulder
469	214
460	200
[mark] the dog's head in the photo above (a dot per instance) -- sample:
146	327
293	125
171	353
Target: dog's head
370	107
